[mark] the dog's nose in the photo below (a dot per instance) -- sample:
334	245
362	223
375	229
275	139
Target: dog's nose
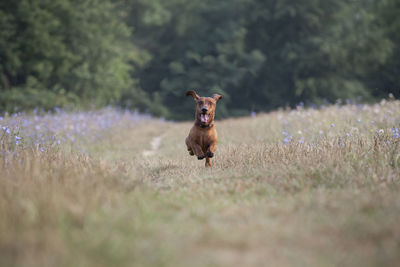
204	109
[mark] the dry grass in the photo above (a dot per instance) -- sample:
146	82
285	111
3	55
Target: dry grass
329	197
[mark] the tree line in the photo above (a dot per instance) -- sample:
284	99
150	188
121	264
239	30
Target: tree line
145	54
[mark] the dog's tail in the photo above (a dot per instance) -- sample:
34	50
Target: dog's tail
208	162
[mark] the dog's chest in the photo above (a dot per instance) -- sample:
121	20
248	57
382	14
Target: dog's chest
205	138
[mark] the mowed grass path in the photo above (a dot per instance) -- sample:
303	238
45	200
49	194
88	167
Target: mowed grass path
288	188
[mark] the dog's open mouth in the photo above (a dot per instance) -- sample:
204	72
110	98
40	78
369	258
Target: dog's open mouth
204	118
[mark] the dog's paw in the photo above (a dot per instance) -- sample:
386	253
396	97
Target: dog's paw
210	154
200	157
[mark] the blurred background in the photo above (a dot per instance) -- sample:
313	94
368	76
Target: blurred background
145	54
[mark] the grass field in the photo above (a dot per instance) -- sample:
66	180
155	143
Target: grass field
290	188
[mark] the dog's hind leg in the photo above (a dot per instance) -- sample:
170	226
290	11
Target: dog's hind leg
211	149
208	162
189	147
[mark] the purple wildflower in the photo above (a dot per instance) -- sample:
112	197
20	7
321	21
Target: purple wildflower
17	139
6	129
395	132
286	141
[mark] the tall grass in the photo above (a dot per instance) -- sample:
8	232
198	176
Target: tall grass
298	187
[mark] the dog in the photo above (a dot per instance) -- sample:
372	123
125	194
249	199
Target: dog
202	139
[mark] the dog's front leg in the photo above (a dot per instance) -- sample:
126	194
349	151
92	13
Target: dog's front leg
197	150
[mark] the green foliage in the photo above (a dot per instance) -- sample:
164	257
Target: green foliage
314	49
58	48
144	55
386	77
194	45
18	99
259	54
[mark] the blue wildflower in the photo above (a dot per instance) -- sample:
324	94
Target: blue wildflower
395	132
358	120
6	129
286	141
332	125
17	139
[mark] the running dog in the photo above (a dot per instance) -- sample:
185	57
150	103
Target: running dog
202	139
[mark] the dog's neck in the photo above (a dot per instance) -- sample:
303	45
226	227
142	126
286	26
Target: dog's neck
199	124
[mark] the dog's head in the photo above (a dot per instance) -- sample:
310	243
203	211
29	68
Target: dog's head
205	107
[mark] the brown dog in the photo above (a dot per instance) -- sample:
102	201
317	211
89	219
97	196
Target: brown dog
202	139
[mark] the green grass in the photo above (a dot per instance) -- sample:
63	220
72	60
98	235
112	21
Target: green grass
333	200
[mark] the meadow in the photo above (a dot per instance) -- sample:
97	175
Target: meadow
302	187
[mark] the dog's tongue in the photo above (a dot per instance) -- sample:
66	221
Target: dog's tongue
203	118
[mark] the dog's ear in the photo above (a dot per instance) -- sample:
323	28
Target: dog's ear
193	94
216	97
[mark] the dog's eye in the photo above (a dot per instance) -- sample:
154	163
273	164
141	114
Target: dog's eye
200	103
210	104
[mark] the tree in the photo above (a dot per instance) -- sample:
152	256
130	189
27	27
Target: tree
386	78
56	52
315	50
140	54
193	45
